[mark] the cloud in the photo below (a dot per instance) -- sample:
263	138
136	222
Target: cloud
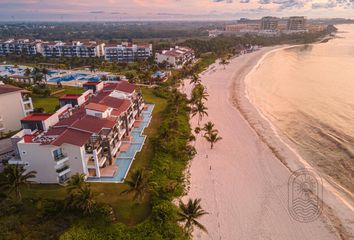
346	4
285	4
259	9
227	1
264	1
96	12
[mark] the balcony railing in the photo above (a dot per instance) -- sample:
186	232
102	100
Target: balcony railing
90	147
60	170
91	161
60	157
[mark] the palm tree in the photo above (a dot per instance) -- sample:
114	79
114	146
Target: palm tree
84	199
190	213
199	109
138	185
38	77
76	182
198	94
195	79
212	138
224	62
15	177
209	128
176	99
197	130
92	68
45	72
27	72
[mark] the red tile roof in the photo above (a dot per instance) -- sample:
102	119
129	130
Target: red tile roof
70	96
6	88
79	127
93	124
37	117
122	108
55	131
72	136
91	83
123	86
96	107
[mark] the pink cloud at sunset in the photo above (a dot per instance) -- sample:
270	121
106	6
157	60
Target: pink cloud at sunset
169	9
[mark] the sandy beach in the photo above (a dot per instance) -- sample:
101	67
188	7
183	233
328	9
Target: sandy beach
243	181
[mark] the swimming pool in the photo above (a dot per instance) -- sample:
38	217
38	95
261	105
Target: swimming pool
68	77
8	70
91	78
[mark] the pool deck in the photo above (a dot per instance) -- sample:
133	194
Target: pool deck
130	147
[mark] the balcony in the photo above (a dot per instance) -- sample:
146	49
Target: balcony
116	147
93	145
141	106
131	123
91	163
63	170
101	161
61	158
135	112
121	133
27	104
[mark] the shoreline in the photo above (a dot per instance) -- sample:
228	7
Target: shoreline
244	88
282	148
203	182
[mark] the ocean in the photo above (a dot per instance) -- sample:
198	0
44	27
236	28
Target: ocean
307	92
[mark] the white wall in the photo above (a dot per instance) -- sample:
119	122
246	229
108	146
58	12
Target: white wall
82	99
11	110
76	161
160	58
40	158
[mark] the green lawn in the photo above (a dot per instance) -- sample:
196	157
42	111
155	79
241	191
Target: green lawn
49	103
126	210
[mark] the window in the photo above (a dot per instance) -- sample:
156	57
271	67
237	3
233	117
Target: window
58	153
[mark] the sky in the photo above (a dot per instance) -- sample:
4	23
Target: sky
120	10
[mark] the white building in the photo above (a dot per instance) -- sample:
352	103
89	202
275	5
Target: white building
127	52
73	49
81	139
176	57
14	105
19	47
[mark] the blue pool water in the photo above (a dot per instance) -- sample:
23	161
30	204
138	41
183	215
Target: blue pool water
125	159
91	79
66	78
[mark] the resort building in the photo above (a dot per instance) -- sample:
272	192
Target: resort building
296	24
127	52
22	79
94	86
269	24
175	57
242	28
98	137
15	105
19	47
74	99
74	49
